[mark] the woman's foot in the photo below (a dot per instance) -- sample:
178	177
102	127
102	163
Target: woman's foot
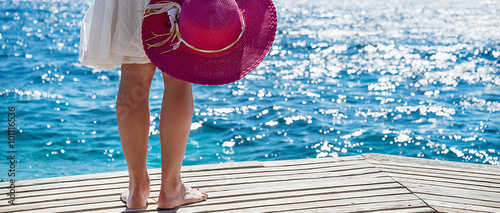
172	198
136	197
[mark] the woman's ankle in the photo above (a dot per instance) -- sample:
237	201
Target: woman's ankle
139	183
171	187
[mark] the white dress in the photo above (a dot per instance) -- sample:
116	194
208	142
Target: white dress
107	32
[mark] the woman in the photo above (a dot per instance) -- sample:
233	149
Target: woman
108	28
211	42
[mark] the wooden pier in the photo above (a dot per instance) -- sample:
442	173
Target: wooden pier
364	183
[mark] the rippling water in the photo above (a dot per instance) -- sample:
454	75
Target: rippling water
411	78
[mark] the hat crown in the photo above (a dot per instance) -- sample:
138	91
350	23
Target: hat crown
210	24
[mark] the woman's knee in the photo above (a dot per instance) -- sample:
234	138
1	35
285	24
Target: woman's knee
138	71
136	82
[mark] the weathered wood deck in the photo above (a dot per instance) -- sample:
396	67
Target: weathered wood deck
365	183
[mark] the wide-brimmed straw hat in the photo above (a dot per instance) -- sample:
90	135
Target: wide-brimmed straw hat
208	42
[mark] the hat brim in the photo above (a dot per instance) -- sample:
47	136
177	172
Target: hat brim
224	67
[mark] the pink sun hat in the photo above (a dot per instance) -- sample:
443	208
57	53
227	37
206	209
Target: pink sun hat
208	42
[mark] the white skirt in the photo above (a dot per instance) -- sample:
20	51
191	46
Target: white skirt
107	33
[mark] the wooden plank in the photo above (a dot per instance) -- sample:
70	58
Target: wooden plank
344	202
468	201
431	177
459	206
105	201
216	197
117	206
446	192
301	177
289	167
151	208
113	191
362	184
92	177
288	191
211	175
446	184
216	174
369	207
284	204
346	184
245	185
450	178
304	202
200	184
425	209
336	185
62	179
204	184
452	210
389	207
462	174
223	199
426	163
280	171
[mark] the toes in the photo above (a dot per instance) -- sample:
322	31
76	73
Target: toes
197	195
190	195
203	192
124	196
204	195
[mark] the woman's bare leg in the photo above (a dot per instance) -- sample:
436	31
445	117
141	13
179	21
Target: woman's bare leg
132	113
175	125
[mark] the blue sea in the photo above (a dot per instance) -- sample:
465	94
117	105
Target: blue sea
344	77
